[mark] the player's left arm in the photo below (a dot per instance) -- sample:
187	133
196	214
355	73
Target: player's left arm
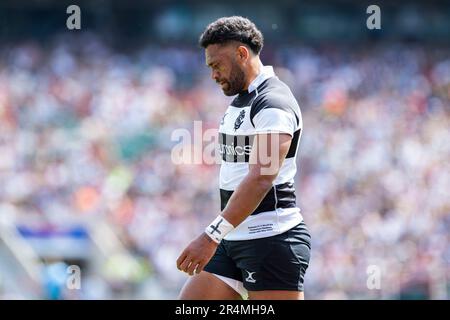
267	156
275	124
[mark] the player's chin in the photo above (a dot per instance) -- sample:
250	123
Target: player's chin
228	91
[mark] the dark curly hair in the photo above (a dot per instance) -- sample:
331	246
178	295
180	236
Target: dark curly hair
233	28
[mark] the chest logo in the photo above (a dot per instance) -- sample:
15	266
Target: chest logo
239	120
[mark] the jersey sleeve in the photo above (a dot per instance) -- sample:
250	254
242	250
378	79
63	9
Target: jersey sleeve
273	115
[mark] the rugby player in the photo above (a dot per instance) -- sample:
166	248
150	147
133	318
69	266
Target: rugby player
258	247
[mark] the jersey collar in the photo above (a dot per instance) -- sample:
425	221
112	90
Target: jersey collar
265	73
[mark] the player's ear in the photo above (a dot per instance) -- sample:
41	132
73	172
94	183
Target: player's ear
242	53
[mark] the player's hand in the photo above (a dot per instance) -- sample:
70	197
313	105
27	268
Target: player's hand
197	254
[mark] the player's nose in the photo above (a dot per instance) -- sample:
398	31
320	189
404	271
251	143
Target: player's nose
215	76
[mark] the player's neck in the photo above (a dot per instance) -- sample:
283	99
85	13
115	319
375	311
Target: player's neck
253	71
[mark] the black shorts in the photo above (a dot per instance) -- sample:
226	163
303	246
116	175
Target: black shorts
273	263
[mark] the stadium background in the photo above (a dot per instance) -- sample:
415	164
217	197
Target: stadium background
85	150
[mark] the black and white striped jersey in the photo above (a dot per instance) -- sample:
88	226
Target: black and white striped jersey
267	106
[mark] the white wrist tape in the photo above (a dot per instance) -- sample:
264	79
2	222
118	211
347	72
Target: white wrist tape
218	229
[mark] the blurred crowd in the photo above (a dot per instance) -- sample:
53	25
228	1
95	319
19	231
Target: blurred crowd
85	137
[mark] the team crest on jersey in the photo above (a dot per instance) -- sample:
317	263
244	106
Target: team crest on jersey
239	120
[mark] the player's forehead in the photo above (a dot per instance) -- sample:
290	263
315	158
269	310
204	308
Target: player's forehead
217	53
